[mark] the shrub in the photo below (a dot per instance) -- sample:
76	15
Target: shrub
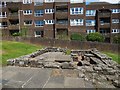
95	37
116	39
77	36
16	34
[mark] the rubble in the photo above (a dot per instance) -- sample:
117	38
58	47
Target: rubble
93	65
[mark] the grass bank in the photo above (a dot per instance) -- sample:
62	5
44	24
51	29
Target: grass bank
11	49
114	56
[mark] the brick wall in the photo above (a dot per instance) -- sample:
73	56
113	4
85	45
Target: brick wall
67	44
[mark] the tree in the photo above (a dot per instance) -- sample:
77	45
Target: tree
24	31
116	39
76	36
95	37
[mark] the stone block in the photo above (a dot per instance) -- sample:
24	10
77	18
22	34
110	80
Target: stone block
116	83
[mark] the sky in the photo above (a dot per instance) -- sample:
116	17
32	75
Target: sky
110	1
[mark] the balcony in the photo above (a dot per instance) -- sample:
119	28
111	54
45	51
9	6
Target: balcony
13	27
105	25
104	13
13	16
61	15
62	24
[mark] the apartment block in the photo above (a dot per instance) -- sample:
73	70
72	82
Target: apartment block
54	18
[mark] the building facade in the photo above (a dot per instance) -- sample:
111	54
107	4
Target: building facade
53	19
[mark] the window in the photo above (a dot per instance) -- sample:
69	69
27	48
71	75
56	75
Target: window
27	1
76	11
3	14
3	24
27	12
115	30
76	22
90	12
38	2
38	33
91	31
115	10
90	22
49	11
38	13
39	23
76	1
28	22
49	22
2	4
115	20
49	1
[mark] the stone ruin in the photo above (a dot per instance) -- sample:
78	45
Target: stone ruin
94	66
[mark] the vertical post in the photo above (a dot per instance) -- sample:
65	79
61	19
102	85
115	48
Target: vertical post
54	31
19	19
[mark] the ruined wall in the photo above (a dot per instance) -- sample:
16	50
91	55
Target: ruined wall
67	44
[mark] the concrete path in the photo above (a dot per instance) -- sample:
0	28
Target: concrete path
26	77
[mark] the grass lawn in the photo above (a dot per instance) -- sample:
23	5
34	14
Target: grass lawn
12	49
115	57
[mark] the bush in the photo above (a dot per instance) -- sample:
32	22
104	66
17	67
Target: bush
77	36
95	37
16	34
116	39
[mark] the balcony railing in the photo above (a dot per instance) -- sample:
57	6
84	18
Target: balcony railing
13	15
62	22
104	23
104	14
15	26
62	10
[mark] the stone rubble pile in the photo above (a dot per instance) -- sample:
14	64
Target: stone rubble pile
32	61
93	65
97	68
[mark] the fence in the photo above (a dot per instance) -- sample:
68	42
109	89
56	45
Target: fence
108	47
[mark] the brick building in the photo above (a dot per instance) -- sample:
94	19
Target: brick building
49	19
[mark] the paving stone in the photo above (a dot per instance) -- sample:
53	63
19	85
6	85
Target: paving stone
74	82
55	82
39	79
13	84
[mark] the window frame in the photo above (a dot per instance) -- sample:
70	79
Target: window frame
38	2
3	16
90	23
49	11
115	21
76	22
115	30
38	35
76	11
25	12
115	10
28	21
49	1
27	1
49	21
40	13
91	31
90	12
39	24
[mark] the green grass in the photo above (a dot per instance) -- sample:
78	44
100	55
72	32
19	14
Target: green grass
68	52
15	49
114	56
